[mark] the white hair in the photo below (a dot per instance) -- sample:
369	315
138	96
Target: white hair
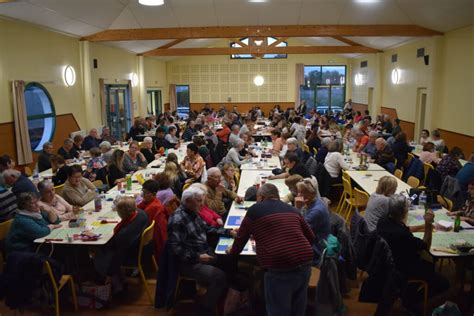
192	192
292	140
148	139
12	173
105	144
238	142
213	171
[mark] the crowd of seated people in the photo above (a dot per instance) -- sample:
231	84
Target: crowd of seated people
189	199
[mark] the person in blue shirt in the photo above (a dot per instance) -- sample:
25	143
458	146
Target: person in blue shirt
466	173
18	182
92	140
315	212
30	223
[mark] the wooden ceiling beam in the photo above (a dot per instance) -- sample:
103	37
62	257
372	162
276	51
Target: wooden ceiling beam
260	31
172	43
259	50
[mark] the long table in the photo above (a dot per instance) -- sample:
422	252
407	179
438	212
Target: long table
368	180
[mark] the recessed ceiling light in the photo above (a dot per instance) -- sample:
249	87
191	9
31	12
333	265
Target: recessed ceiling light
258	1
151	2
367	1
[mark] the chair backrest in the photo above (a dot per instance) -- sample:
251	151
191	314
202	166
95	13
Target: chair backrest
305	148
49	271
445	202
426	169
28	171
361	197
347	187
410	156
98	183
315	151
147	236
413	182
398	173
5	228
59	189
345	175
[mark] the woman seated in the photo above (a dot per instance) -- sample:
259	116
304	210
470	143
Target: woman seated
291	182
115	170
233	155
124	244
165	194
429	154
173	158
334	161
78	190
277	142
377	206
229	180
134	159
315	212
96	166
449	165
29	223
193	164
406	250
148	150
59	169
401	149
174	178
52	202
438	141
425	137
466	213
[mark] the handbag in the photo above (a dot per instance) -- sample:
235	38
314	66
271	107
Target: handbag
94	296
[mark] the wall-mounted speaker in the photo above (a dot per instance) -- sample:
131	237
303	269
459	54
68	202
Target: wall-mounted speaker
427	59
95	63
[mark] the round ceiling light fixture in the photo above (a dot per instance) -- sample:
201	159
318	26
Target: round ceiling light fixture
69	75
134	79
396	76
151	2
258	80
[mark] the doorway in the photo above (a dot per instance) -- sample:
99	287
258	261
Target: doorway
154	102
182	100
370	101
117	106
421	95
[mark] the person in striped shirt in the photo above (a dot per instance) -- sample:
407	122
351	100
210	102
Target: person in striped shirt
283	244
8	205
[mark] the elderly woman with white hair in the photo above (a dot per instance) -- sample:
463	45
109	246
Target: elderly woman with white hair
233	155
106	150
52	202
315	212
187	241
148	149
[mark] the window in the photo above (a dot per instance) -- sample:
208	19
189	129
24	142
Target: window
182	100
267	41
40	114
325	88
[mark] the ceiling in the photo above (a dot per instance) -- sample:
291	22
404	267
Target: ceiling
85	17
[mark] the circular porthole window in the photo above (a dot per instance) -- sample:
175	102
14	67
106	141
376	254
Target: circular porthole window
41	115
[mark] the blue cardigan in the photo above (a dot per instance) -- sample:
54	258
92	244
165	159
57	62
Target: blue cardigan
317	217
24	230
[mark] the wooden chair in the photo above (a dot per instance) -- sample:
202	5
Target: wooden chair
427	167
59	189
361	198
398	173
414	182
4	230
346	176
445	202
58	287
147	237
408	160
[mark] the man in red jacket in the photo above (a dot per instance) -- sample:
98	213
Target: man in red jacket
156	212
283	244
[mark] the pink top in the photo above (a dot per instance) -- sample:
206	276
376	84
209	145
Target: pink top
429	157
62	208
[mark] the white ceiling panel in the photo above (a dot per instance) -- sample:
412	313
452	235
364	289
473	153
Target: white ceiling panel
321	41
132	46
380	42
126	20
99	13
321	13
195	15
232	14
386	12
279	14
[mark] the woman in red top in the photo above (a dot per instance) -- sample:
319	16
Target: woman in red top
156	212
224	133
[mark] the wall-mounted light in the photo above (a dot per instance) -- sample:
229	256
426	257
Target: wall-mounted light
258	80
358	79
134	79
151	2
395	76
69	76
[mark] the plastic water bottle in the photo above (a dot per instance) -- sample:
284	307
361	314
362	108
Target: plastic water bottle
97	201
35	176
422	199
129	182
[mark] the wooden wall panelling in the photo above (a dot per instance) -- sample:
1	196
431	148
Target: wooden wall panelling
407	127
360	107
65	125
465	142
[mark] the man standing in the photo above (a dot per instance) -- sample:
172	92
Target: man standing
187	239
283	244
